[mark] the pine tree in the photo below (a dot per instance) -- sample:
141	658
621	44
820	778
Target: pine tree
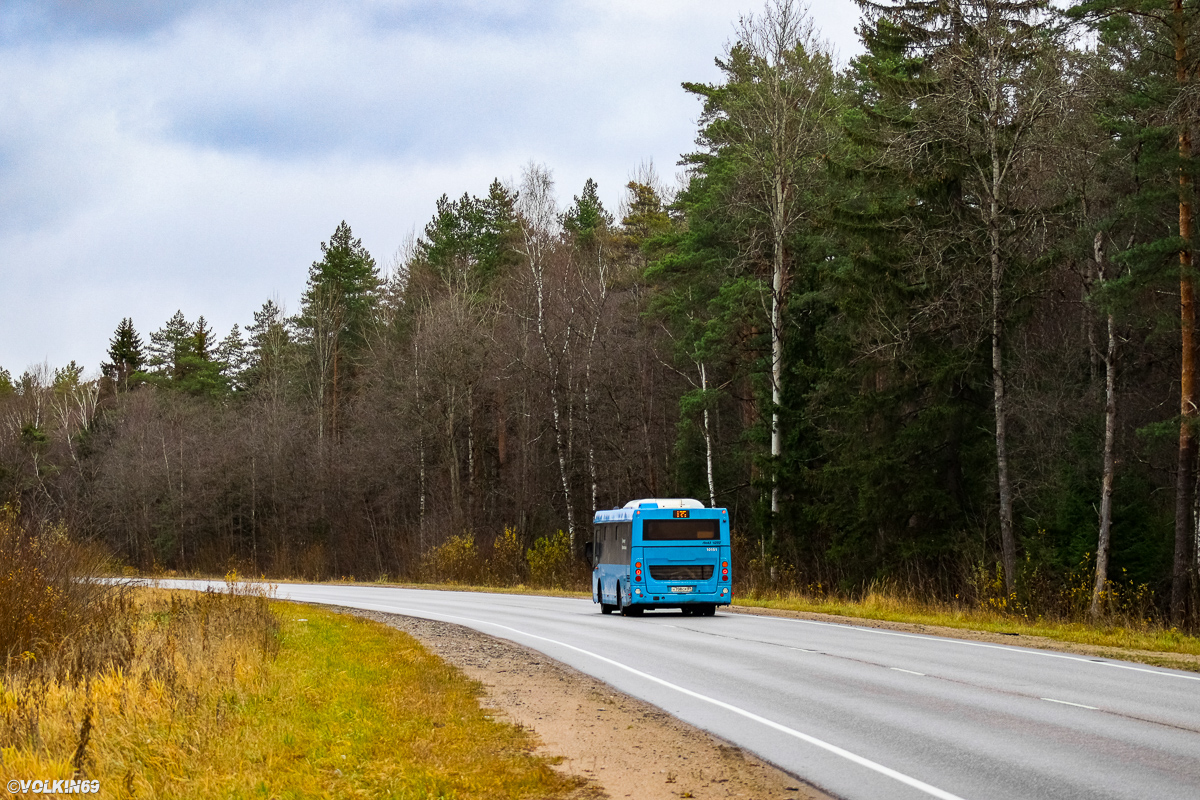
337	312
646	216
989	85
587	220
233	359
897	377
125	354
182	358
469	242
268	347
345	277
1171	58
170	347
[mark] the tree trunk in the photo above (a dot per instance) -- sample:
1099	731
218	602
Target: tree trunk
1187	314
471	510
1008	544
422	544
538	210
555	400
455	477
254	513
421	493
501	436
587	381
1110	427
777	289
560	446
708	448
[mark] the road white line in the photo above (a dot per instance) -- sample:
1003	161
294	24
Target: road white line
909	671
908	780
966	643
1068	703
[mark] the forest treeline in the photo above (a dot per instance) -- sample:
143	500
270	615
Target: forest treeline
923	320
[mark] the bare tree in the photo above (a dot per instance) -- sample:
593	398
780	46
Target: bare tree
539	233
1110	430
323	343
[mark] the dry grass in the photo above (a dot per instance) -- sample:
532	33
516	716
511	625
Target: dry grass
892	607
229	694
46	610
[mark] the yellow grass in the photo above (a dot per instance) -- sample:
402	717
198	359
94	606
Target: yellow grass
893	607
882	606
231	697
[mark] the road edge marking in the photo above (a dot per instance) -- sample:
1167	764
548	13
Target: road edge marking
1069	703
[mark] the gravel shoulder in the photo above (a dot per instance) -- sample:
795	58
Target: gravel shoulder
583	723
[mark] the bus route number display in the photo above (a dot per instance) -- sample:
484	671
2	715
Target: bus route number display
681	514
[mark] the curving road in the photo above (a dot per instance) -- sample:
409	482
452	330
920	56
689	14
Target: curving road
861	712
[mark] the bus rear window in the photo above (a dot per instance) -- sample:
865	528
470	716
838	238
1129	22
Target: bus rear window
670	530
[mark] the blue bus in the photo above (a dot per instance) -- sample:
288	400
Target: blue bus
661	554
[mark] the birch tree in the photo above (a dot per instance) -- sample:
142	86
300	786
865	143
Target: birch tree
539	233
772	117
588	226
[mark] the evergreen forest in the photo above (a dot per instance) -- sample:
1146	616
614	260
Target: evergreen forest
924	321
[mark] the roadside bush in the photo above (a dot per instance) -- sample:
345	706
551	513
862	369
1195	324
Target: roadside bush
507	566
51	603
550	563
457	560
188	656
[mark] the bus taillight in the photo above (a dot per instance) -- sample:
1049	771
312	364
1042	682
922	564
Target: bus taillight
724	570
637	573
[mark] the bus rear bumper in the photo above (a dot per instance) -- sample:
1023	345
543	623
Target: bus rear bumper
647	599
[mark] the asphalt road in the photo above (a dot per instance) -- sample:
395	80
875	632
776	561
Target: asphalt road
861	712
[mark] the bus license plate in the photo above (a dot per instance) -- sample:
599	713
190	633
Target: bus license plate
681	589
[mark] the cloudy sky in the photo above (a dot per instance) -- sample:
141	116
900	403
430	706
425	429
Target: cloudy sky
161	154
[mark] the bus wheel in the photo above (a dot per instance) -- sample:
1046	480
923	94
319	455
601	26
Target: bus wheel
627	610
710	610
605	608
687	610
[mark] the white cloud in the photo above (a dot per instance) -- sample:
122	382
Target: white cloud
197	161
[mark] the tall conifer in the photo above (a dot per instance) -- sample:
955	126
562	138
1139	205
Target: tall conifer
125	351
